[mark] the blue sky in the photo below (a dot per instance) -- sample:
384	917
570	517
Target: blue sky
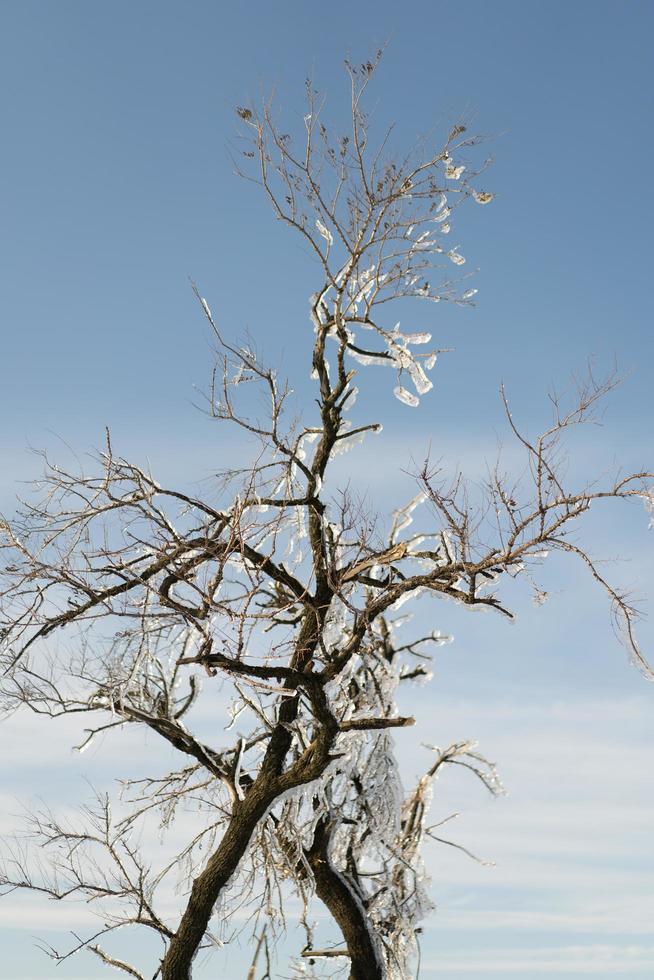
117	187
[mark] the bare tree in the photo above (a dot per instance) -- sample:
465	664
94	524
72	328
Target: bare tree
280	583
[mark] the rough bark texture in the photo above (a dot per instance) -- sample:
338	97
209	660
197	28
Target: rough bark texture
333	890
208	886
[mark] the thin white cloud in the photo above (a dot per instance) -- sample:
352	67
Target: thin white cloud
592	959
632	920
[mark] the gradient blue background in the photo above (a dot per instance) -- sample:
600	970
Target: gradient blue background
117	187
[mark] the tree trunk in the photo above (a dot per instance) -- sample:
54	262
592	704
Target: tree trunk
207	887
333	889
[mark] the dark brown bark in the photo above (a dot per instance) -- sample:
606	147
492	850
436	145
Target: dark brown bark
269	785
208	886
339	896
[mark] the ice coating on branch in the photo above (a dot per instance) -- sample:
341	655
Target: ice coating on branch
242	374
482	197
405	396
448	547
406	361
406	596
335	627
452	172
423	241
367	359
402	517
350	399
382	842
348	442
420	380
648	500
362	286
306	437
325	232
348	303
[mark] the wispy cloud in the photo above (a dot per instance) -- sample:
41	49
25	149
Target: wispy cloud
594	960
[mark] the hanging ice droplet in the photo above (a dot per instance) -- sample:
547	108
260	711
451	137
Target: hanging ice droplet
420	380
405	396
482	197
454	256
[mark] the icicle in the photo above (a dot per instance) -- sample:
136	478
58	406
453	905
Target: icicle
420	380
405	396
